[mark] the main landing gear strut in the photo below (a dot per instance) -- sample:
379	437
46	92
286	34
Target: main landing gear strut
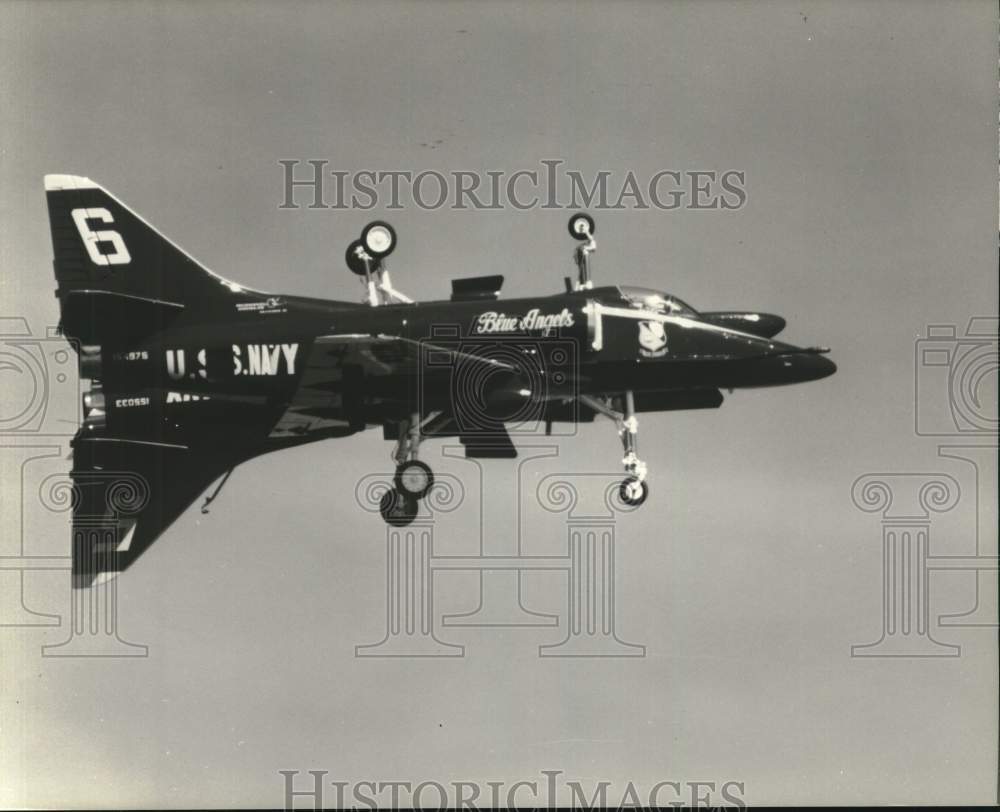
633	490
413	478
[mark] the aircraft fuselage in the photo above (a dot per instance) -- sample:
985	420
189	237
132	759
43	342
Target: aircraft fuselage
211	373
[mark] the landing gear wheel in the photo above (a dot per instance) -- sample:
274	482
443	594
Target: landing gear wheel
379	238
397	509
354	261
413	479
581	226
633	491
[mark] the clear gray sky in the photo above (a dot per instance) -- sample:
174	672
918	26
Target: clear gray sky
868	134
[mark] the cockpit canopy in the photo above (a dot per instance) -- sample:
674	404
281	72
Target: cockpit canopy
655	300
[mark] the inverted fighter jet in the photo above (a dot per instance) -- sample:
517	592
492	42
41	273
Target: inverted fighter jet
191	374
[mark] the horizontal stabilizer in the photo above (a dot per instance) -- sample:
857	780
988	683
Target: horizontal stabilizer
100	316
125	495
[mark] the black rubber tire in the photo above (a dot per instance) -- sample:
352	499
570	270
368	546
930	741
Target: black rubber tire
396	509
400	482
378	252
575	219
623	492
354	262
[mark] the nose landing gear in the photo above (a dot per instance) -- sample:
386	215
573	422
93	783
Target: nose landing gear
633	490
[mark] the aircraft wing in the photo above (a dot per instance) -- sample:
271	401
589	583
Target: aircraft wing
495	375
356	378
388	355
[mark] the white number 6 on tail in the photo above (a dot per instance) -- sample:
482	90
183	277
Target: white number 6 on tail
91	238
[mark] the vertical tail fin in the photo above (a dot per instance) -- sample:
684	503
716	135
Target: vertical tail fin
107	256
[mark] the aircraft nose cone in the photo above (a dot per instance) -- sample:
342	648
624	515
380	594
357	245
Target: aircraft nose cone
788	365
810	367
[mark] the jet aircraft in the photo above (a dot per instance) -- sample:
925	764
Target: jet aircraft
191	374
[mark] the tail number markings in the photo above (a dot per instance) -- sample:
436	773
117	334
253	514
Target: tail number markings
264	359
92	239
